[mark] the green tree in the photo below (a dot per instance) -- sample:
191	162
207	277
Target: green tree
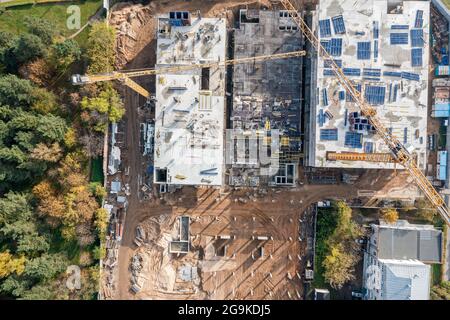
15	91
100	48
339	266
29	47
52	128
46	266
41	28
390	215
65	53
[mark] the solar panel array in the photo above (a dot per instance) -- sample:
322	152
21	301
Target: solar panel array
321	118
372	72
341	95
416	38
376	30
335	47
328	72
325	28
416	57
399	38
348	96
392	74
419	19
410	76
353	139
405	135
338	24
327	63
375	94
326	45
368	147
352	71
375	49
399	27
363	52
329	134
325	96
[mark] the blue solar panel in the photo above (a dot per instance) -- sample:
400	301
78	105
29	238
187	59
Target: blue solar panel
371	72
327	63
405	135
328	72
348	96
416	57
399	27
352	71
368	147
376	30
392	74
325	28
329	134
336	47
374	94
419	19
399	38
353	139
341	95
321	118
416	38
325	97
326	44
410	76
338	24
375	50
394	97
363	50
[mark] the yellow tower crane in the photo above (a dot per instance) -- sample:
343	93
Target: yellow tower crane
125	76
399	152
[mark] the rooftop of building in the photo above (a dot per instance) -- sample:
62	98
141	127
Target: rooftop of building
266	94
190	105
384	49
403	240
405	280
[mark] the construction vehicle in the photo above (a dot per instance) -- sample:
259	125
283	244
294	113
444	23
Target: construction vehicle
125	76
398	151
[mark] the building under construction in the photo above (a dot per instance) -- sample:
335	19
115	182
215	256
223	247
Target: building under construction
266	96
190	104
382	46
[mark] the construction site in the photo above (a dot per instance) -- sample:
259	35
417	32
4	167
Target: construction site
190	219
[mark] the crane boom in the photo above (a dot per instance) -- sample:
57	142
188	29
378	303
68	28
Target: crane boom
123	75
399	152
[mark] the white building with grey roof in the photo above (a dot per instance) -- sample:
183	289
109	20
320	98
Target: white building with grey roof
397	260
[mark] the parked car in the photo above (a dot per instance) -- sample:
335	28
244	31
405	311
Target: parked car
356	295
324	204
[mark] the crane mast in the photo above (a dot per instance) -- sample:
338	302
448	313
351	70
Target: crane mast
399	152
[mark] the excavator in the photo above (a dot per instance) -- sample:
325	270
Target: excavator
399	152
125	76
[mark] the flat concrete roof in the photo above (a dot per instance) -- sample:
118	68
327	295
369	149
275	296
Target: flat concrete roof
189	121
406	115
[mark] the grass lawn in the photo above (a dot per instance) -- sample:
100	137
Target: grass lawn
97	170
12	19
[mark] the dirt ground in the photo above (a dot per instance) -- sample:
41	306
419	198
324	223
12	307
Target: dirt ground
242	214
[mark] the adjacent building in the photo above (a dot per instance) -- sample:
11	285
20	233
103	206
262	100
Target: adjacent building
266	96
190	104
383	48
397	261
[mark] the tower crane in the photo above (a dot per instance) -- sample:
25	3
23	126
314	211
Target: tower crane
125	76
398	151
